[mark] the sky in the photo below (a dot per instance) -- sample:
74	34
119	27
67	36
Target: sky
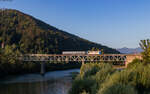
114	23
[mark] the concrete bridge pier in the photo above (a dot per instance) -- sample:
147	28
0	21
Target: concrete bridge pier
42	68
83	62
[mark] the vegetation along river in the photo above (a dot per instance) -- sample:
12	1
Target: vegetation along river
56	82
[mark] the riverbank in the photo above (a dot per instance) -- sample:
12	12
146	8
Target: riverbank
104	79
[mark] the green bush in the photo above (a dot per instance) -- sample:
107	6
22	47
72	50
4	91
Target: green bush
118	89
92	68
84	92
91	75
104	74
82	85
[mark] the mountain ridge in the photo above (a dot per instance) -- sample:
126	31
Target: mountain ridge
31	35
126	50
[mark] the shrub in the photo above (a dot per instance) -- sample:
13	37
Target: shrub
82	85
91	75
136	77
104	74
92	68
84	92
118	89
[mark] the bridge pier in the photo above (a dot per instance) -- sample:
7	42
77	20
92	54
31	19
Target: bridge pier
42	68
83	62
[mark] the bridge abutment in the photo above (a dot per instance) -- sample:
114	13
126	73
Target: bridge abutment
130	58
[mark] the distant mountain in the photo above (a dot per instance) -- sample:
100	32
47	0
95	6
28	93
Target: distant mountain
30	35
126	50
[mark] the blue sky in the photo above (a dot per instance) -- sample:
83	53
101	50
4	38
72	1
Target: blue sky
115	23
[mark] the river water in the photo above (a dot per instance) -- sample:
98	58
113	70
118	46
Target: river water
57	82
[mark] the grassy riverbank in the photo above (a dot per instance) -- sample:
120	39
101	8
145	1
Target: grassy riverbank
103	79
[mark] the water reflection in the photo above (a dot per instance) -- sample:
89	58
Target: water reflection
35	84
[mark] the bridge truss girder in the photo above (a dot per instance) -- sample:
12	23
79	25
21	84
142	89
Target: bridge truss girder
74	58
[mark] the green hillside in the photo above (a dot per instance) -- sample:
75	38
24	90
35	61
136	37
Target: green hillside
31	35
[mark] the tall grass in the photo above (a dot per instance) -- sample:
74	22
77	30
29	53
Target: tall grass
103	79
91	75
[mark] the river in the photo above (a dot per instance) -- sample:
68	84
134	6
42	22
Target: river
56	82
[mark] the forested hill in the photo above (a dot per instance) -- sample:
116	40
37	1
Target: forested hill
31	35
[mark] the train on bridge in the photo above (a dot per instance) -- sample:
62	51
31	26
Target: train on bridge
82	52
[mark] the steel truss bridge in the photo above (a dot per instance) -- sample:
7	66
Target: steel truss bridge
74	58
79	57
123	58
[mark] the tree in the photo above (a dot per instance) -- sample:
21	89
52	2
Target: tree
102	51
94	49
145	45
10	54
